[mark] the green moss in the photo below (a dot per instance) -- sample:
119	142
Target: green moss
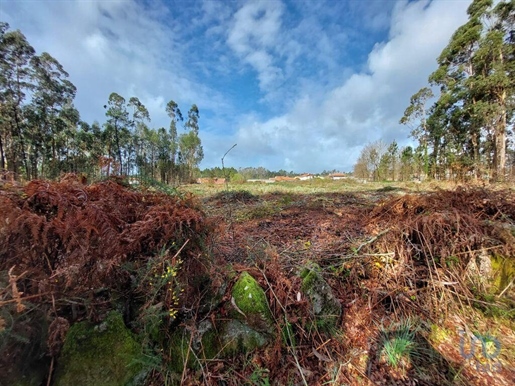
179	351
250	299
210	344
105	354
326	308
309	276
439	334
503	271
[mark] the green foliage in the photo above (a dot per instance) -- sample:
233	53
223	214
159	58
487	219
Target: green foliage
259	377
398	345
41	135
104	354
465	131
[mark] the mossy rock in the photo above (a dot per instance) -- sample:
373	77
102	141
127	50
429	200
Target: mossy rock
234	338
503	271
179	347
250	299
231	338
238	338
106	354
326	308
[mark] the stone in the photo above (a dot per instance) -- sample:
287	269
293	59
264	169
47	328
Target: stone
250	305
326	307
106	354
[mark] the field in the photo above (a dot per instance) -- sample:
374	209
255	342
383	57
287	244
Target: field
376	283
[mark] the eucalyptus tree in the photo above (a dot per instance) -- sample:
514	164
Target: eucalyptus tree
15	82
116	127
53	118
415	117
173	111
140	120
190	146
468	124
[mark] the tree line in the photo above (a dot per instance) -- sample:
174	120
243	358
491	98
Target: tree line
466	129
464	121
42	135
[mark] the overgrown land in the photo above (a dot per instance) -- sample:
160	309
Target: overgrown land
115	269
311	282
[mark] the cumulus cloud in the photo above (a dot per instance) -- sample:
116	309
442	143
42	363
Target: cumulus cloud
115	46
367	106
299	85
253	36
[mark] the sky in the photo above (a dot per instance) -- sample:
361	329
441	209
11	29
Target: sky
299	85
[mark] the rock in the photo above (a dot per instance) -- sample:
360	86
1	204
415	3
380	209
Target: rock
326	308
106	354
250	304
229	339
238	338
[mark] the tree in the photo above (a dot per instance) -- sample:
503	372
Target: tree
117	125
467	126
52	118
172	109
369	161
191	152
415	117
15	81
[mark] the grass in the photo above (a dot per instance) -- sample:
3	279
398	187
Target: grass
300	187
398	344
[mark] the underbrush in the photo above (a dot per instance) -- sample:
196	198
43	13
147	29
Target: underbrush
70	251
361	289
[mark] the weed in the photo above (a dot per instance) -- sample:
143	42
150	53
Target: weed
398	345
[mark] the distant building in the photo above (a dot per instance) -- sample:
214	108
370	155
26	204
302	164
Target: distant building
305	177
284	178
338	176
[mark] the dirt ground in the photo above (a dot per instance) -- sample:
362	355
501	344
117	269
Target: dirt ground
424	274
349	233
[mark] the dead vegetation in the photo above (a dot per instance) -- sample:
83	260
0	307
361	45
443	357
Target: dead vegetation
404	267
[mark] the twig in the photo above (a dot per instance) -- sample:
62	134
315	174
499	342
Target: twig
49	381
372	239
187	358
506	289
4	302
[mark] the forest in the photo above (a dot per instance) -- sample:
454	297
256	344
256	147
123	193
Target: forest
42	135
463	122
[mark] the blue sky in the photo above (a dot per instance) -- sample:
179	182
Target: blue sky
297	85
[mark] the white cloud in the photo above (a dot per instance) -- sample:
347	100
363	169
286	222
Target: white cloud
368	105
304	55
253	37
115	46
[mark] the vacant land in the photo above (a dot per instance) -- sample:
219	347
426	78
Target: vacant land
418	279
403	259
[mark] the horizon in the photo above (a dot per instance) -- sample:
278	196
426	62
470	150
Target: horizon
298	85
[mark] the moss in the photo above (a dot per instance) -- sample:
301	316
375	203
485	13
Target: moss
105	354
179	347
439	334
250	299
326	308
503	271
